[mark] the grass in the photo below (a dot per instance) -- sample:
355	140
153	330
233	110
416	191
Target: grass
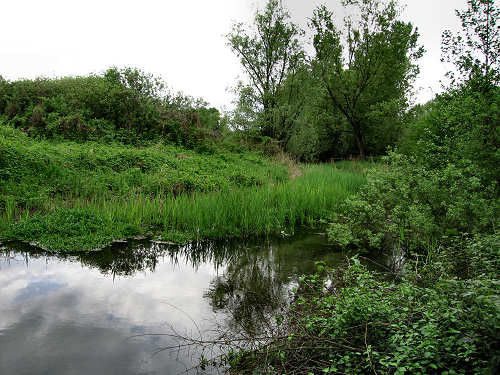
69	196
244	212
237	213
39	175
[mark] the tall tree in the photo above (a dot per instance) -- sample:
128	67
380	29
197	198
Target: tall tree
466	122
368	65
268	51
475	51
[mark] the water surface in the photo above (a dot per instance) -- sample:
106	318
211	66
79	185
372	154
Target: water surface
82	314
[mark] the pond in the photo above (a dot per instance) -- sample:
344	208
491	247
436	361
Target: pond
100	312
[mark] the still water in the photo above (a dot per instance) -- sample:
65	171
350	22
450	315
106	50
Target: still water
93	313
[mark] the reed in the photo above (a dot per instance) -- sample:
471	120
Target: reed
230	213
68	196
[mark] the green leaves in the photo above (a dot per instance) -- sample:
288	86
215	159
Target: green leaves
67	230
121	105
366	325
366	67
475	50
269	53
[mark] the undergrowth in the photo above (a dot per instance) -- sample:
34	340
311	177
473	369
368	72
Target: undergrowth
68	196
360	324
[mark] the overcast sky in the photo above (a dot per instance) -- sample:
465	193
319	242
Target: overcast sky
182	41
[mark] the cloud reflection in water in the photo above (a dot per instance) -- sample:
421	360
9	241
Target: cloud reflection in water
75	314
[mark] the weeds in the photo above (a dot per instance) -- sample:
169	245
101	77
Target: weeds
362	325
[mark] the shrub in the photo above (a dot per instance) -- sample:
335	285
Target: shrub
361	325
125	105
415	208
443	190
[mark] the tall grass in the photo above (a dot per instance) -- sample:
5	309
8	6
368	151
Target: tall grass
228	213
243	212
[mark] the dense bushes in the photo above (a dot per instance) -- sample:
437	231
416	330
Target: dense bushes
417	208
35	174
459	127
125	105
361	325
446	186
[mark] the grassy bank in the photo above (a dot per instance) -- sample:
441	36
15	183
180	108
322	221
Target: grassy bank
70	196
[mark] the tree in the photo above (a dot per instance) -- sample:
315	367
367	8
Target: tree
244	117
268	54
313	130
475	51
466	121
368	66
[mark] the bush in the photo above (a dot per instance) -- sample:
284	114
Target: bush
416	208
459	127
444	190
361	325
126	105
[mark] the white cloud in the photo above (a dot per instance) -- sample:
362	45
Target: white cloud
50	302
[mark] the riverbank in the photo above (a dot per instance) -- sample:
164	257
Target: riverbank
66	196
363	323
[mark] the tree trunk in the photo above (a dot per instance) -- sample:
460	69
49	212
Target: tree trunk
359	140
267	128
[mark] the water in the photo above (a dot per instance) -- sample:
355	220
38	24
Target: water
94	312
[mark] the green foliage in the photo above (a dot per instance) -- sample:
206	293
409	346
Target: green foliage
269	54
125	105
35	172
310	129
352	96
160	189
65	229
367	68
438	204
475	50
416	208
459	127
445	188
236	213
260	211
361	325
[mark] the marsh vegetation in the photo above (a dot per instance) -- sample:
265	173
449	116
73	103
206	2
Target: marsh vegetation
85	161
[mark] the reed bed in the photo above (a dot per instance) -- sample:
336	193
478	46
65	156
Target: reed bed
228	213
243	212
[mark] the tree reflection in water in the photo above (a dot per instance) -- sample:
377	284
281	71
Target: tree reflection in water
253	278
250	291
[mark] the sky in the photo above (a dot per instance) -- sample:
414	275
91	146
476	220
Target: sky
182	41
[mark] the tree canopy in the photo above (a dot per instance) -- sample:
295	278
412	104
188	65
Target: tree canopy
269	52
475	50
363	69
368	66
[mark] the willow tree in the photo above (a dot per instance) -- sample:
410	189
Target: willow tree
269	51
368	65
